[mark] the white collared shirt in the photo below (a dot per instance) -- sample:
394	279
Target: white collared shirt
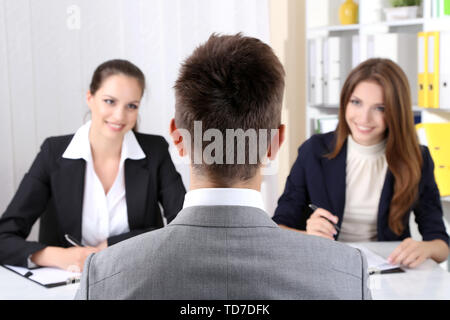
224	197
103	215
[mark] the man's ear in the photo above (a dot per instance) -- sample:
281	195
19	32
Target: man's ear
177	138
276	142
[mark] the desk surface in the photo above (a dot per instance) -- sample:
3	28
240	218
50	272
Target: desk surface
428	281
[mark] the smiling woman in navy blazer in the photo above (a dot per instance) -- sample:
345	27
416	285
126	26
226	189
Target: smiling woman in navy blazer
368	175
102	185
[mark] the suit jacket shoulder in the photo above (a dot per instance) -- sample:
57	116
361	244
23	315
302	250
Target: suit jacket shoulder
205	260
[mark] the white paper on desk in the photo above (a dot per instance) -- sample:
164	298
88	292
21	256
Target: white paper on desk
374	261
46	275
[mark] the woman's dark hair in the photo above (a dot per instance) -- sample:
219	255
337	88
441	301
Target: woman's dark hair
403	154
114	67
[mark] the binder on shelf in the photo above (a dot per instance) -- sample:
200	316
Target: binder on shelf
435	136
356	51
435	9
446	7
422	75
433	69
444	75
336	66
366	47
315	71
325	124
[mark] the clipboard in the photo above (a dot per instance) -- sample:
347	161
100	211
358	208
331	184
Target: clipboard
46	276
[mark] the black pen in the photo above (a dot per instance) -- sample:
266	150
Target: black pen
393	270
72	240
314	208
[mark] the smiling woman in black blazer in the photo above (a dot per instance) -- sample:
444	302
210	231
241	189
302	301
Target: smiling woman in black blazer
101	186
368	175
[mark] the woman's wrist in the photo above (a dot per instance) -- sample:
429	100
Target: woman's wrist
438	250
47	257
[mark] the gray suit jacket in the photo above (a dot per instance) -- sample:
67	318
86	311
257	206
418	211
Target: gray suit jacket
225	252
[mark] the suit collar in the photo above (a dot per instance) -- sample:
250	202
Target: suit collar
223	197
80	148
69	185
223	216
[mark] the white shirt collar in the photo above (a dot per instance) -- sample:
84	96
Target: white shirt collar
224	197
80	147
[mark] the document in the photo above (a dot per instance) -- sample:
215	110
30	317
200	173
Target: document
47	277
376	263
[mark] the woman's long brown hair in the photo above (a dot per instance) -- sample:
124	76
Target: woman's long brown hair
403	153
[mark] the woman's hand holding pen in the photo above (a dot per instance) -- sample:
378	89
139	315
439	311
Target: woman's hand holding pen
319	224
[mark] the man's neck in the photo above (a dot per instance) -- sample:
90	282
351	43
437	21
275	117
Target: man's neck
202	182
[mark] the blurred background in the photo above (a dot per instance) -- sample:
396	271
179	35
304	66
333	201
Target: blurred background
50	48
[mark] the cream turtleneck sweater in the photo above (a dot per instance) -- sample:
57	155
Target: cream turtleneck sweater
365	175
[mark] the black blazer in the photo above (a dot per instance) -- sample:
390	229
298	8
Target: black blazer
315	179
53	191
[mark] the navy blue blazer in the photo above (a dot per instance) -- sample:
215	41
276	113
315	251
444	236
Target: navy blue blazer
318	180
53	190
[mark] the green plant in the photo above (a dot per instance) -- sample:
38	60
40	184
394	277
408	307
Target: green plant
405	3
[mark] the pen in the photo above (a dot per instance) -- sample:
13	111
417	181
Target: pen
393	270
314	207
72	241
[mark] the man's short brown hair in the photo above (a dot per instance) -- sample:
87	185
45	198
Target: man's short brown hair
229	82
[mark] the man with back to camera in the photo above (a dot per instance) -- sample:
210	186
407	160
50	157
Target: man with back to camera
223	245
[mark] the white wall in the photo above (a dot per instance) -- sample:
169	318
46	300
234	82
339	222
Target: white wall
50	48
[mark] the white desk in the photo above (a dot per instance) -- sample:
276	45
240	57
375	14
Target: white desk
16	287
428	281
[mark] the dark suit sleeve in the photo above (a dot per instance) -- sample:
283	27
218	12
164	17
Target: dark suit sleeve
428	210
27	205
292	203
171	188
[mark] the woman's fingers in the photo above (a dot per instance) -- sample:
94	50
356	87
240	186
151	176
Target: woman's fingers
318	224
326	214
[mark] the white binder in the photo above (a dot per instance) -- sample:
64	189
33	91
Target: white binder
366	47
444	77
356	51
337	62
315	71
